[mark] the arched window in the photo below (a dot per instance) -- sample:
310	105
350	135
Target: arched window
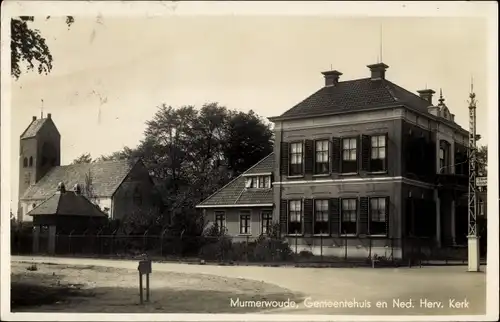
31	161
25	162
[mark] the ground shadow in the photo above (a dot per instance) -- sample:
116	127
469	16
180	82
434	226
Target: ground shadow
162	300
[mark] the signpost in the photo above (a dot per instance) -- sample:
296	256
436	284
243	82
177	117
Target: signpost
144	269
481	181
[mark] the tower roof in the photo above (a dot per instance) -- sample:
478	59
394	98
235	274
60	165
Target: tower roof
36	126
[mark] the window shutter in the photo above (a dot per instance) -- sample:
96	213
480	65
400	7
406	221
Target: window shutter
284	158
308	216
334	210
386	160
358	153
387	214
365	152
308	156
283	216
336	154
363	216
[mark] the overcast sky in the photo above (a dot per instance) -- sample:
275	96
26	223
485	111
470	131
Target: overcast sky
111	73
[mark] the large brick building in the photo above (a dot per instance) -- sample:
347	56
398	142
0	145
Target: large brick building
358	161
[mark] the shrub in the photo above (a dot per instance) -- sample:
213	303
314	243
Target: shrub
218	249
267	249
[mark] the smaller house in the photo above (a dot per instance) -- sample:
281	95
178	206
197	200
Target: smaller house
64	212
244	207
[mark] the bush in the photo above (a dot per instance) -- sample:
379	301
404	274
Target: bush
306	254
267	249
218	249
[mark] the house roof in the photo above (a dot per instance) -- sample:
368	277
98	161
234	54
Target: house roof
354	96
67	204
33	128
106	178
235	193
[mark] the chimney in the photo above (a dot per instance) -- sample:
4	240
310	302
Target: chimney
331	77
34	118
77	189
49	116
61	188
426	94
378	71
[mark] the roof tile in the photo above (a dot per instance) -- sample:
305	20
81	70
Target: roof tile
106	178
68	204
235	193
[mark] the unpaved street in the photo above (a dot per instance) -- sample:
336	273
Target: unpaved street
426	290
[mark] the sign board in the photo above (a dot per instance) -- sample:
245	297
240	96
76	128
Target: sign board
144	267
481	181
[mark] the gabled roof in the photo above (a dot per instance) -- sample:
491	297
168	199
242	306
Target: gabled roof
235	193
354	96
35	126
67	204
106	178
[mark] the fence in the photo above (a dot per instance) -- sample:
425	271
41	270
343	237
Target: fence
412	251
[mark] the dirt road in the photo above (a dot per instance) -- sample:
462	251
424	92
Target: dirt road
406	291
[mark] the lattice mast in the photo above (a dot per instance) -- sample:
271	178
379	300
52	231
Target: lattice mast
472	213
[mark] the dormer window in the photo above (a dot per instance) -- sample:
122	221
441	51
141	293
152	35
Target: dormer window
259	182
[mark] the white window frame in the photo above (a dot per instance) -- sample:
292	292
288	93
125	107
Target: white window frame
301	216
370	216
249	214
323	211
220	212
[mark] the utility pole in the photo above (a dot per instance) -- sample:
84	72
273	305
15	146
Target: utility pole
473	238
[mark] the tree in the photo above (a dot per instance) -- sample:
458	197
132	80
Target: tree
84	158
125	154
248	140
28	46
192	152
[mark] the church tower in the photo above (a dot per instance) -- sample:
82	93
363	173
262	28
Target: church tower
39	152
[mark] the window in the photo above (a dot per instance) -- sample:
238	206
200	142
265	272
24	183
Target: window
349	216
25	162
378	211
262	182
321	217
444	157
220	221
251	182
296	159
295	217
349	155
31	161
266	222
441	160
245	222
378	153
322	160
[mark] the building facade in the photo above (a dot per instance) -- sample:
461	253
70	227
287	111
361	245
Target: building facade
363	166
117	187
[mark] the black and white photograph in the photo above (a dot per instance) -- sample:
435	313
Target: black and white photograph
258	161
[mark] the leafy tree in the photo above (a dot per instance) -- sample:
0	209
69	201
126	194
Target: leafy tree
84	158
248	140
192	152
28	46
125	154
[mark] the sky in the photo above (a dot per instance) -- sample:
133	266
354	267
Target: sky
111	73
